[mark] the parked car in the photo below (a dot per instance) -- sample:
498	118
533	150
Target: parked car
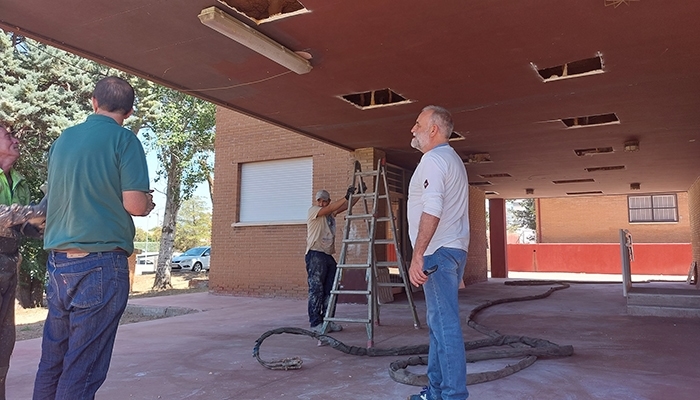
195	259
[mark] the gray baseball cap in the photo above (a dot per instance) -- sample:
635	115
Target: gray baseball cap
323	195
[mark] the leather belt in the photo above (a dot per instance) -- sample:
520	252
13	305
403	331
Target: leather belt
78	253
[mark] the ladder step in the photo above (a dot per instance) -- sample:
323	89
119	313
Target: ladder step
357	240
391	284
354	266
367	240
364	292
387	263
359	216
367	216
365	173
335	319
370	195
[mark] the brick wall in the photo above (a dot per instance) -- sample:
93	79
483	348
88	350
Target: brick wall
694	210
264	260
477	264
598	219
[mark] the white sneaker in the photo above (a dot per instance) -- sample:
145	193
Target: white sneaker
333	327
318	329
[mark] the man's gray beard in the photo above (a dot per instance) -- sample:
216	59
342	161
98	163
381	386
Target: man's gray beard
415	144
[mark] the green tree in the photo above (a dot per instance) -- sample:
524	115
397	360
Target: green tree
42	91
193	224
183	138
521	214
141	235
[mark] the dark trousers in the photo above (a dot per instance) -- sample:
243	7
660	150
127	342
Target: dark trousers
320	268
8	288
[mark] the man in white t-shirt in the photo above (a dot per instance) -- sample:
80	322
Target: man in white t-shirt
438	226
320	247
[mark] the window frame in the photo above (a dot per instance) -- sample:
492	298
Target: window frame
652	208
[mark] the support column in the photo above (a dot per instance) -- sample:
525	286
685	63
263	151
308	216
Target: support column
498	238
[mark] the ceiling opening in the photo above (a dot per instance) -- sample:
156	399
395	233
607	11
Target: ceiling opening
491	193
477	158
455	136
488	176
610	168
481	183
563	182
375	98
261	11
591	120
574	69
584	193
593	151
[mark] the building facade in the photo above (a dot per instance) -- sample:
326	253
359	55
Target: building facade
266	177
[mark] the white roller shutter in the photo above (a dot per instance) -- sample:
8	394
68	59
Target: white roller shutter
276	191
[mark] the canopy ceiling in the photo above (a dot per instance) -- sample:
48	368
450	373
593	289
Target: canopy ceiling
638	74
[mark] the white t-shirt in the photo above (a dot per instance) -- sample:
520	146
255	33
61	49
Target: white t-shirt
440	187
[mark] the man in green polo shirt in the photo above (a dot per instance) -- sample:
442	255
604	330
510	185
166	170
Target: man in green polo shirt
97	180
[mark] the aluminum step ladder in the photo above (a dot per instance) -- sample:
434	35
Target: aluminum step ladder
376	272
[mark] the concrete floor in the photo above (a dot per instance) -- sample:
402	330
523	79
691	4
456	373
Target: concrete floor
207	355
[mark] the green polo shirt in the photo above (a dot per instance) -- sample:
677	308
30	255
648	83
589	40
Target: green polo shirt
90	165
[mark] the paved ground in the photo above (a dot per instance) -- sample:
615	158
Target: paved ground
207	355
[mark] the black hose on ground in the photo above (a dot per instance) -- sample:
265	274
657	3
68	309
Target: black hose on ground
506	346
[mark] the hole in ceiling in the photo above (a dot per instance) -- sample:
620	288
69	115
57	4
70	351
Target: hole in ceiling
481	183
562	182
591	120
574	69
593	151
455	136
488	176
610	168
583	193
491	193
477	158
375	98
261	11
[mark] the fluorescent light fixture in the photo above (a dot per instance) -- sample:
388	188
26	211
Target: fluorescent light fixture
232	28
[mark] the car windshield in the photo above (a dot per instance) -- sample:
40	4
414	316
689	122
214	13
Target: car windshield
195	251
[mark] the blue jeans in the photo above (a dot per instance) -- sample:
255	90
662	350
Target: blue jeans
320	268
86	297
447	365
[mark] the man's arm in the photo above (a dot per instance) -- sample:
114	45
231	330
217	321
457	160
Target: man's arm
335	207
138	203
16	214
338	206
426	229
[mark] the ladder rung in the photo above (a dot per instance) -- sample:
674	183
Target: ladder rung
387	263
357	240
334	319
391	284
369	195
359	216
367	216
365	173
365	292
384	241
353	266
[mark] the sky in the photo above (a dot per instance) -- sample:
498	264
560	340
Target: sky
155	218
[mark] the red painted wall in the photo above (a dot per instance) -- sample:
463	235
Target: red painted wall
600	258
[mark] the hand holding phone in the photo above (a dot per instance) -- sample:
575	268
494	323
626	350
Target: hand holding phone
430	270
